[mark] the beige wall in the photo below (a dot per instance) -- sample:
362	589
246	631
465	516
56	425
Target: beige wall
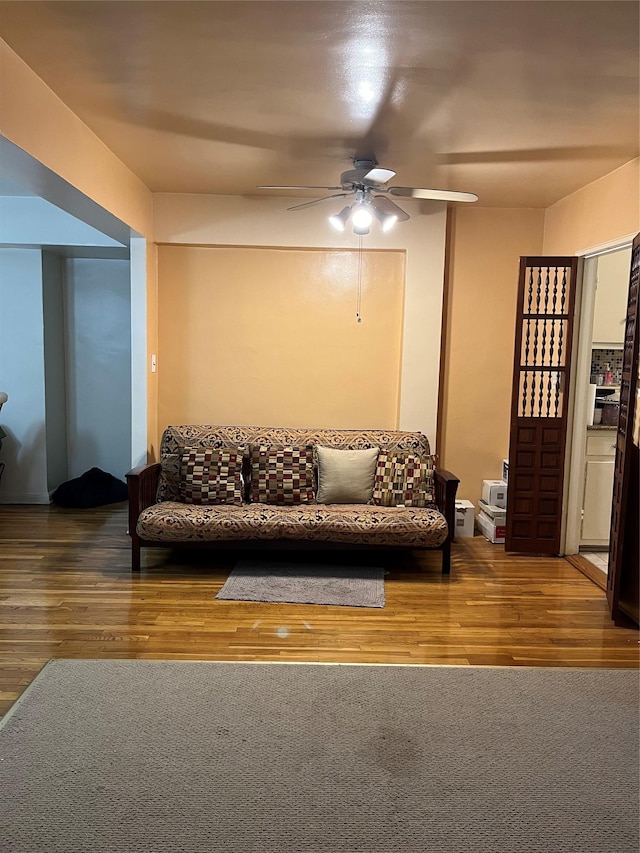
484	250
270	336
484	253
603	211
265	222
36	120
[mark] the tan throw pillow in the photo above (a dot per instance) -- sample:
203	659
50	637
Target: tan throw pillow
282	475
403	479
209	476
345	476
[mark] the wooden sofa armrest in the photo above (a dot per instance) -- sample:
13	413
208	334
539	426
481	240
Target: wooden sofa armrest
446	487
143	486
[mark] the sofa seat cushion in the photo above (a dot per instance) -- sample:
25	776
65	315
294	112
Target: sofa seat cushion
414	527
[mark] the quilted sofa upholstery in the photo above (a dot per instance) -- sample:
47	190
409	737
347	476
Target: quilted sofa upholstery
158	518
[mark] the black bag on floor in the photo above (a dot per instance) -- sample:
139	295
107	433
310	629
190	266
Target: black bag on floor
93	488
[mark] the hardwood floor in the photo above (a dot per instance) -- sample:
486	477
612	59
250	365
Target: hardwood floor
66	592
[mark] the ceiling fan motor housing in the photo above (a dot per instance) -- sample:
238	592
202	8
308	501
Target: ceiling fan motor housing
360	175
354	177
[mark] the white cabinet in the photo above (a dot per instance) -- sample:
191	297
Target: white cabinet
598	487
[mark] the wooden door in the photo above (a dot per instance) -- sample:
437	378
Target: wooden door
539	403
622	578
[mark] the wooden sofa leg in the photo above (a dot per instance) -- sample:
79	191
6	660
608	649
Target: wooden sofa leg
135	553
446	558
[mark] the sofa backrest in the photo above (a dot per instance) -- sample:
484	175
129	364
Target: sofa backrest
175	438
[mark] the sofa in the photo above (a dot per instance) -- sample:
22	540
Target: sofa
279	485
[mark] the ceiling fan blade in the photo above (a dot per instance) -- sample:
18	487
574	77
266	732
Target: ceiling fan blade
264	187
436	195
378	176
535	155
385	204
317	201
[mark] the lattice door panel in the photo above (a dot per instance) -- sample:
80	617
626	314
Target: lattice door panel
541	381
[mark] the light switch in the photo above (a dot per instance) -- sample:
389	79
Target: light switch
153	364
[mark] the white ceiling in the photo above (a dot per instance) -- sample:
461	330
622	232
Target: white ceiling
519	102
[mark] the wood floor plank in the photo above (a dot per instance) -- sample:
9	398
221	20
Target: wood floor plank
66	590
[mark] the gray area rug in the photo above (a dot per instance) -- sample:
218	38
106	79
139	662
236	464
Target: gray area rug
168	756
254	580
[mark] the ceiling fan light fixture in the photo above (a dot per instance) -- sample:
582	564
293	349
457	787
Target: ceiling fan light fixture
386	220
361	218
361	229
339	220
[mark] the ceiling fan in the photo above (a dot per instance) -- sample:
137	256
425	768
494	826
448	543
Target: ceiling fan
366	182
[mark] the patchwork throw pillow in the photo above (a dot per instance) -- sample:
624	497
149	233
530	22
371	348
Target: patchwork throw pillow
403	479
345	476
209	476
282	475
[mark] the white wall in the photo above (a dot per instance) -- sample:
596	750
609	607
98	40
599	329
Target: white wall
98	365
32	220
65	362
139	366
54	370
238	221
22	377
612	290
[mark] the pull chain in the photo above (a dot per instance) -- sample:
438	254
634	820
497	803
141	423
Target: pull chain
359	296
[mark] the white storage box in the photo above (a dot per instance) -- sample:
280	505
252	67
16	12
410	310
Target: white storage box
498	514
505	470
495	533
465	513
494	492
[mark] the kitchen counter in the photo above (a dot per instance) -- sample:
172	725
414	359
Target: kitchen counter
602	427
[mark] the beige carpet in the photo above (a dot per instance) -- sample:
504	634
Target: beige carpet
183	757
300	583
